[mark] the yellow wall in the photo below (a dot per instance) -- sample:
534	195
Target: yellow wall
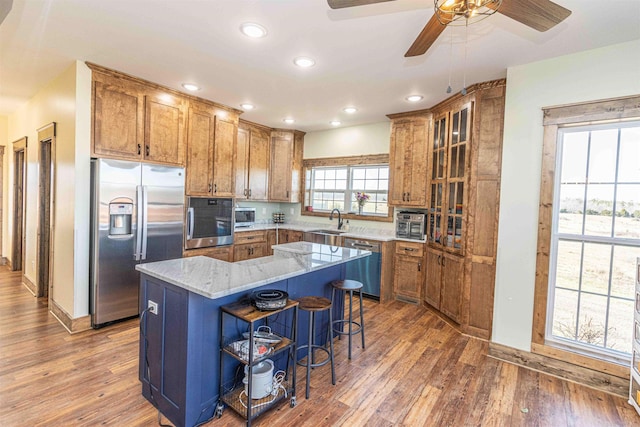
4	133
64	100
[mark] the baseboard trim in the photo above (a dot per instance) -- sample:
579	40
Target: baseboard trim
31	287
558	368
72	325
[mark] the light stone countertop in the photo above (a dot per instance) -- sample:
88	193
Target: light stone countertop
212	278
354	232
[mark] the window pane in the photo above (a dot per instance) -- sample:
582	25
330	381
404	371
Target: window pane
330	174
591	324
602	155
371	185
627	211
623	271
358	174
571	207
574	157
384	172
358	185
564	318
599	213
341	184
620	328
629	163
568	268
372	173
341	174
595	268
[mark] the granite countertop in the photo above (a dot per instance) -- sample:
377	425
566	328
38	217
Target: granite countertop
355	232
212	278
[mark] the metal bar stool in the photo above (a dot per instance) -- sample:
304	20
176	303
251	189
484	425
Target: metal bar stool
348	286
314	305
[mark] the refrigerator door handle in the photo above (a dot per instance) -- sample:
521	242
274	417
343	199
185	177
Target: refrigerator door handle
189	223
145	214
139	213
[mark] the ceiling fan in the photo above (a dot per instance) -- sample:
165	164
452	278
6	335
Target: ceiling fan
540	15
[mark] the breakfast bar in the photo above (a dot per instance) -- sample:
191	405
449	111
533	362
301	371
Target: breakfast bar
179	359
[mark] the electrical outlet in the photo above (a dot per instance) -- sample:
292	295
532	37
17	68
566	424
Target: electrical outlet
153	307
264	211
292	211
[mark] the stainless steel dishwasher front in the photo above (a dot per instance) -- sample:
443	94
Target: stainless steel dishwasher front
366	270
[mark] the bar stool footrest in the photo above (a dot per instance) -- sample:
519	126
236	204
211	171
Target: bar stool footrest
346	321
313	348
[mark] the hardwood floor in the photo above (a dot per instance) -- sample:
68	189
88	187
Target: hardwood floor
416	370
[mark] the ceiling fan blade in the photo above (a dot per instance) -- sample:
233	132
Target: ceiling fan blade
540	15
428	36
339	4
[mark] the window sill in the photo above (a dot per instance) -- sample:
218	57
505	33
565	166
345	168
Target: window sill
350	215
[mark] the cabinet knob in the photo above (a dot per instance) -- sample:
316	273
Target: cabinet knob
408	197
209	188
139	149
146	150
419	266
215	188
443	261
249	192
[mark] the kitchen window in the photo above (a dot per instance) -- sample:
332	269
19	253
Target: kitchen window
589	234
595	239
335	183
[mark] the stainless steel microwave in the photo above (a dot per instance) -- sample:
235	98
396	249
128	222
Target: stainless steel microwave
245	217
209	222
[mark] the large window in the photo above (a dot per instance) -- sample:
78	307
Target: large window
335	184
595	240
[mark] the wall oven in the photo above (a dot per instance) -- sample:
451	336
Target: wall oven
245	217
209	222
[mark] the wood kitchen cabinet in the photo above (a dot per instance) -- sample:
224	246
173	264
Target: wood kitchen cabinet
285	171
249	245
443	283
134	121
223	253
252	162
210	151
409	268
408	160
288	236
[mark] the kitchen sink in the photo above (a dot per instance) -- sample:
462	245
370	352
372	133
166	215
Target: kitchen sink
328	231
326	237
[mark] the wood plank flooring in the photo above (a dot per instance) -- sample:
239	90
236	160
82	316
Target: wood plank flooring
416	370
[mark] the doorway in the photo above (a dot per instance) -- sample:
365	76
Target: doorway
19	196
46	200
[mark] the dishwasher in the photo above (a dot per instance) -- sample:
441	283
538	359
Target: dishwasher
365	270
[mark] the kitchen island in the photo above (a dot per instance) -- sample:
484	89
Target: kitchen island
179	359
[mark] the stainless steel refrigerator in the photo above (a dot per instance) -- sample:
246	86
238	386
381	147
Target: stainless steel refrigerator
137	215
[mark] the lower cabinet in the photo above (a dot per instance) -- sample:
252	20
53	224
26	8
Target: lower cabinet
443	284
288	236
250	244
409	270
223	253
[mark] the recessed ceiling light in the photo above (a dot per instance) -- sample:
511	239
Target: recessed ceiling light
304	62
414	98
350	110
190	86
289	121
253	30
247	106
335	122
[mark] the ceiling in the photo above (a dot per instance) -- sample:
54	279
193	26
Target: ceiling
359	51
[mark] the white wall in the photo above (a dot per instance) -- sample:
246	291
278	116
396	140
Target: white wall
349	141
65	100
4	132
609	72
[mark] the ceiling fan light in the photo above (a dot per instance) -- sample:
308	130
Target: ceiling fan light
464	12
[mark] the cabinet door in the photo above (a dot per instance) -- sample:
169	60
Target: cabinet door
259	165
241	252
408	277
416	164
271	241
242	164
199	153
295	236
399	140
164	129
281	164
433	278
118	121
451	292
223	158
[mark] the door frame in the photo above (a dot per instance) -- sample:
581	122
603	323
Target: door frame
19	146
46	135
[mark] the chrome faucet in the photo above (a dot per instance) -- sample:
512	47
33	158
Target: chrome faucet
339	217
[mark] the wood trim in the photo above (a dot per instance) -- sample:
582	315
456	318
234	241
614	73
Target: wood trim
46	133
370	159
19	145
31	287
581	360
347	215
558	368
447	103
72	325
247	125
113	73
588	112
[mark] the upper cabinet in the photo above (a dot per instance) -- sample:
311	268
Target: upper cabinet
408	160
211	136
252	162
118	118
285	172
